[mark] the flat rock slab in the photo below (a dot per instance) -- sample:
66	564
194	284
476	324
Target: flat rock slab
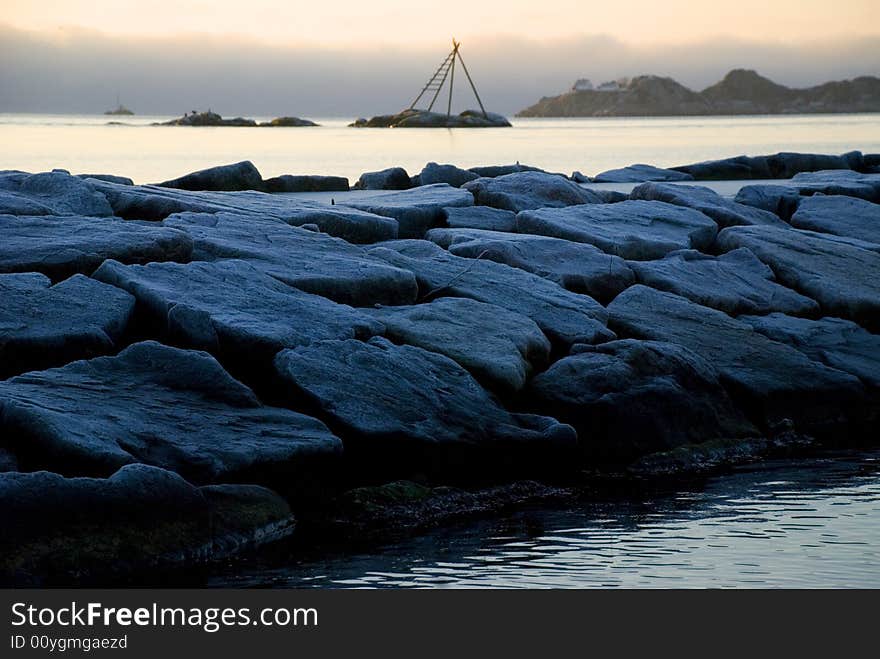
154	203
230	308
63	531
724	211
170	408
411	405
579	267
839	215
736	283
565	317
63	246
838	182
312	262
480	217
529	190
627	399
637	230
771	380
415	210
839	343
640	174
499	347
844	279
51	193
43	325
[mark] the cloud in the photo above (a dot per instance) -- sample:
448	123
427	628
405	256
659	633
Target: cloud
80	71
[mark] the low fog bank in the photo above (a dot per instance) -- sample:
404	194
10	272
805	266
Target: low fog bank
82	72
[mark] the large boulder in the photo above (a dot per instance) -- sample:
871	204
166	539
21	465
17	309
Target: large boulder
51	193
494	171
312	262
449	174
393	178
62	246
239	176
839	343
843	278
782	200
499	347
779	165
736	282
231	309
67	531
170	408
630	398
43	325
770	380
415	210
579	267
724	211
306	183
839	215
565	317
153	203
631	229
405	406
529	190
480	217
640	174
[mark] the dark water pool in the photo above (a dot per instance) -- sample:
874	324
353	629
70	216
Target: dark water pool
805	523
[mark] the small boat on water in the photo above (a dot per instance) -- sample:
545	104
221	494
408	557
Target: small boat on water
120	109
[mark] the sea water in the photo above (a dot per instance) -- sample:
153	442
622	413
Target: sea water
148	154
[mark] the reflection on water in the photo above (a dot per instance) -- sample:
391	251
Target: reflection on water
86	144
799	524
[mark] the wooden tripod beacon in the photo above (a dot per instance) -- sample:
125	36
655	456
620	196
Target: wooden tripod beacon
444	71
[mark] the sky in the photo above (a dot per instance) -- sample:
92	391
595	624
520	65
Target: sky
350	57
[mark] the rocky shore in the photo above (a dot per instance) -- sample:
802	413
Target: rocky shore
189	369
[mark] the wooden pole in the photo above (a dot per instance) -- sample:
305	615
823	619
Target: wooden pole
470	80
451	80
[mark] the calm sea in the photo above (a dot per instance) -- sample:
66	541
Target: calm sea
806	524
87	144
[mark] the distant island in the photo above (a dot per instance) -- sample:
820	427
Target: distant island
741	91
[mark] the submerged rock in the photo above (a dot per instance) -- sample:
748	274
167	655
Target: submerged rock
170	408
843	278
579	267
631	398
565	317
640	174
413	407
724	211
60	530
480	217
735	282
51	193
631	229
770	380
309	261
43	325
529	190
839	343
287	122
232	310
449	174
239	176
62	246
499	347
393	178
839	215
415	210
